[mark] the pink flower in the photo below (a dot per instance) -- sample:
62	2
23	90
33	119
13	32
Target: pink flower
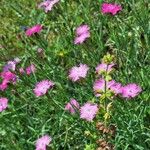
30	69
82	29
76	73
88	111
4	85
131	90
3	103
42	142
116	88
21	70
111	8
104	68
82	33
8	76
35	29
72	106
48	5
101	85
42	87
80	39
11	65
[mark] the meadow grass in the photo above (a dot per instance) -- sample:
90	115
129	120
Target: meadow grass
126	35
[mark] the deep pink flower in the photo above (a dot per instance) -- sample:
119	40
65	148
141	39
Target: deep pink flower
80	39
42	142
104	68
76	73
72	106
48	5
4	85
42	87
3	103
8	76
111	8
131	90
88	111
35	29
30	69
82	29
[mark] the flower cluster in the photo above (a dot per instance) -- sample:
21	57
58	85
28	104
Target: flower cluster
104	87
87	112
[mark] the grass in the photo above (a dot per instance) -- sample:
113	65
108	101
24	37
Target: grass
125	35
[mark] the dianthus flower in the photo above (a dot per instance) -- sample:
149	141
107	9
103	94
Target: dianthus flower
131	90
111	8
72	106
3	103
30	69
82	29
82	33
48	5
104	68
101	85
8	76
4	85
35	29
76	73
42	142
80	39
42	87
88	111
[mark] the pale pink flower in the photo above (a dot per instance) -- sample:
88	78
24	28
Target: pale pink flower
80	39
116	88
101	85
42	87
30	69
76	73
72	106
21	70
35	29
131	90
48	5
11	65
3	103
111	8
42	142
82	29
39	50
104	68
88	111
